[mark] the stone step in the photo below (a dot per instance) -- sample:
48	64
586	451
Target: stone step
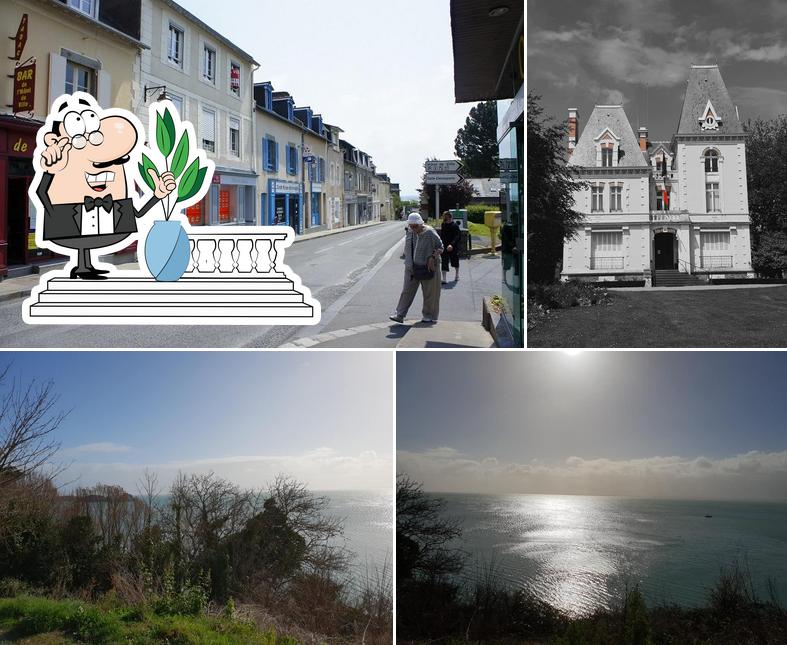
277	283
128	297
192	313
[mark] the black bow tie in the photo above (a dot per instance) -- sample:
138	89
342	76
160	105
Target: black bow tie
101	202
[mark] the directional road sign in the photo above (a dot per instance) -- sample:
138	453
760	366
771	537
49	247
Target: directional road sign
443	178
451	165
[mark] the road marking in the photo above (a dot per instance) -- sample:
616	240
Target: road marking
328	248
331	312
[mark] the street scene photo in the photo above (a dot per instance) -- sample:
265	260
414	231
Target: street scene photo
582	498
656	175
192	497
347	178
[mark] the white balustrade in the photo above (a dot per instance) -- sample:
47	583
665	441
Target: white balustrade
235	253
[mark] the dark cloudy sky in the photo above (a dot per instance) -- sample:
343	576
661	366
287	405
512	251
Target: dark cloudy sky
584	52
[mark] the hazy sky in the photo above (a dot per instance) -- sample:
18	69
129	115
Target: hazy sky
381	71
324	418
663	424
608	51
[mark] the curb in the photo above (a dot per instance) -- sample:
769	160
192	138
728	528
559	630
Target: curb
336	231
16	295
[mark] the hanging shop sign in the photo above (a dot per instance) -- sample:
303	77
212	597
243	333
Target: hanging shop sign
24	87
20	40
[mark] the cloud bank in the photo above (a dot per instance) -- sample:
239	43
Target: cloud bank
753	475
321	469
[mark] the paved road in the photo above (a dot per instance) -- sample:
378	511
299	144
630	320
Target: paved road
334	267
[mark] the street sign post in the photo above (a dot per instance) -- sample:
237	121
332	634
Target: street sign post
442	173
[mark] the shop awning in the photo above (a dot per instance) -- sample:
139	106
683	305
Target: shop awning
483	46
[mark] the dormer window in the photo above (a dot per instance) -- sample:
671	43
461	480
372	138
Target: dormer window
709	120
608	151
711	161
606	156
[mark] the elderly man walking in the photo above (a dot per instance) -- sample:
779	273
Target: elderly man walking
422	249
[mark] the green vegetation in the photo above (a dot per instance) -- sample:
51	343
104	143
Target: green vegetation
71	621
748	317
435	604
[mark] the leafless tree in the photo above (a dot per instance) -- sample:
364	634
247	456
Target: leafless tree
306	514
117	515
29	419
149	491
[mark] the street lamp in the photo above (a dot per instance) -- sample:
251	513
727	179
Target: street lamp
156	88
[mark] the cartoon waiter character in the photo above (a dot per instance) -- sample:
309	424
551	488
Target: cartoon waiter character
84	188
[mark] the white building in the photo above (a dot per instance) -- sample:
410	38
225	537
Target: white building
665	212
209	79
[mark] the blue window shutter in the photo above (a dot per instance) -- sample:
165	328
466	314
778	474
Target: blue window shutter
276	156
265	154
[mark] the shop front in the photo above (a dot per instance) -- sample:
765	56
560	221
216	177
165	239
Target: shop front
283	204
315	205
230	200
17	215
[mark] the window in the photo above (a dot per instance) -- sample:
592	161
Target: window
715	248
80	78
606	250
606	156
209	64
597	199
235	79
235	137
615	199
292	159
270	154
177	101
320	169
712	202
711	161
208	130
175	52
84	6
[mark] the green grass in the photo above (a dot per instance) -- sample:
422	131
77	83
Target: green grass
479	230
40	621
679	318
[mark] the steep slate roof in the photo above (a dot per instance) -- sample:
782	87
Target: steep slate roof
705	83
612	117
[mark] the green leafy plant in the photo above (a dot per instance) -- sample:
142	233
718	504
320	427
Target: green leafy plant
190	177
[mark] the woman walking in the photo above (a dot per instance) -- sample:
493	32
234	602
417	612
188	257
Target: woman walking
451	236
422	250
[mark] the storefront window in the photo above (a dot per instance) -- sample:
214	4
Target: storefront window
316	209
225	212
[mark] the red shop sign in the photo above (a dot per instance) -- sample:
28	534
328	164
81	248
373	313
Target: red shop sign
24	87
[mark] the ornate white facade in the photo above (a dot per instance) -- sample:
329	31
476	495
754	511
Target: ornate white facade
666	212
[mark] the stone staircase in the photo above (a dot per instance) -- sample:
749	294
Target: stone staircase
674	278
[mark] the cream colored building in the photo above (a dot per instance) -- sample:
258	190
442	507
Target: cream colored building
333	186
209	79
94	48
381	197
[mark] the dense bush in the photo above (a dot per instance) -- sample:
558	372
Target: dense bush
475	212
564	295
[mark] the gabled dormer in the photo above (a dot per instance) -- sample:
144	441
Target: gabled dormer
284	105
305	116
709	120
607	149
263	95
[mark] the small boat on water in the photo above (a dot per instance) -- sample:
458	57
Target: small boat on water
709	516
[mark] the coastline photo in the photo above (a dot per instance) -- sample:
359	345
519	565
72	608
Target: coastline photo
154	497
589	497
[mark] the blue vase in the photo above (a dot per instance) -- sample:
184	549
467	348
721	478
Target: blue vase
167	251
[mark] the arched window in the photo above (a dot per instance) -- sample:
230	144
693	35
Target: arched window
711	161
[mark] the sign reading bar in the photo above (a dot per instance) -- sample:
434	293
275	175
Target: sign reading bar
21	38
24	87
442	178
451	165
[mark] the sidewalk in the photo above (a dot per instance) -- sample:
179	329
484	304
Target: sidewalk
18	288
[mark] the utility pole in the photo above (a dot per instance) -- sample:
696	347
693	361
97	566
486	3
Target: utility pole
437	203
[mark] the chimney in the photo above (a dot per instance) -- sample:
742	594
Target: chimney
573	127
643	138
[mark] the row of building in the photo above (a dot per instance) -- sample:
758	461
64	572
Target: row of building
277	162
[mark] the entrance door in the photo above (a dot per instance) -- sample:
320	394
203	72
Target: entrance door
664	248
17	220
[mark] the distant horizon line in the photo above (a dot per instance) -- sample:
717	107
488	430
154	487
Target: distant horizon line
643	497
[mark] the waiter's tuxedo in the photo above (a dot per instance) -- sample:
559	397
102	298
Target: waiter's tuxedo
74	220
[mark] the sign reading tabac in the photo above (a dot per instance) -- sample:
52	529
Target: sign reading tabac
21	38
24	87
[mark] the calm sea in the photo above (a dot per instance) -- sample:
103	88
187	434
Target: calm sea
578	553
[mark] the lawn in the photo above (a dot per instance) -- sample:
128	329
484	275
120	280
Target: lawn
748	317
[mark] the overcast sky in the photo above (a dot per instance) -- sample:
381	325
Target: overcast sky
609	51
324	418
657	424
381	71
